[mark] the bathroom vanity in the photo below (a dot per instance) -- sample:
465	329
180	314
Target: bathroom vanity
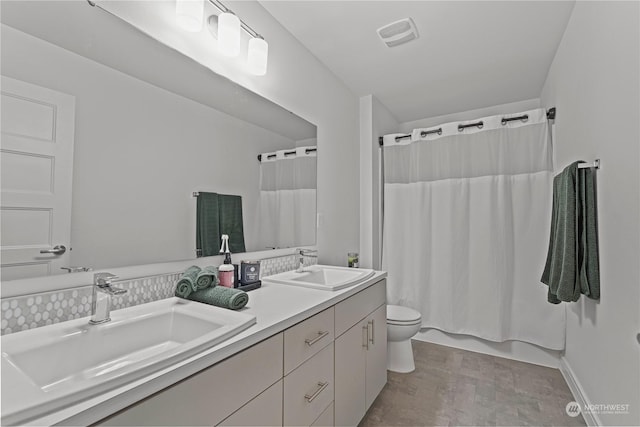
314	357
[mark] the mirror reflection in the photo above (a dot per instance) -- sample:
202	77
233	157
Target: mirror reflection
104	146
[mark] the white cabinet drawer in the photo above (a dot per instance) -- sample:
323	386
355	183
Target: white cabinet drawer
307	338
353	309
308	390
325	419
210	396
263	410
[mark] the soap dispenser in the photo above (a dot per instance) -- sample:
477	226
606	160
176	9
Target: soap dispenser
226	271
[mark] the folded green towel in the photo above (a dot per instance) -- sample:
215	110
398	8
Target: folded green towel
187	282
221	297
208	276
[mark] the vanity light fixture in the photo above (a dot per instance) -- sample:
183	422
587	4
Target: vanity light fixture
229	33
226	27
190	14
257	55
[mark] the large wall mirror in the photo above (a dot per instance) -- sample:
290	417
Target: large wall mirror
107	134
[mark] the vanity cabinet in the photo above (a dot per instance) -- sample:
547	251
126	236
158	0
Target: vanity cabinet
360	353
303	376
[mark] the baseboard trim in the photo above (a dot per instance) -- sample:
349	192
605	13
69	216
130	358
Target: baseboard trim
578	392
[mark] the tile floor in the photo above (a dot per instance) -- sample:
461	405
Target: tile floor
453	387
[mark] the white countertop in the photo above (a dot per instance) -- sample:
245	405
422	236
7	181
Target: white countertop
276	307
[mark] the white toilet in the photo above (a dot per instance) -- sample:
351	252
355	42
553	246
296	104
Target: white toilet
402	324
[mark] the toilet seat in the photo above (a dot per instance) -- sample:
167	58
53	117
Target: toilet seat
399	315
396	323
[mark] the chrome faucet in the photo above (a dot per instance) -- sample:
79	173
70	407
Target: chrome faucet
101	300
303	253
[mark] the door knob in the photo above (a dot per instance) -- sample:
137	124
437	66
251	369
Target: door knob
57	250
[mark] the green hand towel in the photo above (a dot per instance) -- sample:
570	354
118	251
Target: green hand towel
231	222
187	283
220	296
207	224
572	265
590	260
208	276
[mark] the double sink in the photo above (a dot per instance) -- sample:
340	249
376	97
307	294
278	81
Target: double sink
47	368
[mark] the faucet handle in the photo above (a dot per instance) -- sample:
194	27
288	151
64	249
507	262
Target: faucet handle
103	279
76	269
306	252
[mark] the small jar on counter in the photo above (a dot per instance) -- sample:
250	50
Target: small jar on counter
226	275
352	258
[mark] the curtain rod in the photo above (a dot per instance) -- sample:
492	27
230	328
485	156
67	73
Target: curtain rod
287	153
551	115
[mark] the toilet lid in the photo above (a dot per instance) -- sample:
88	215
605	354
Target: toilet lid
399	313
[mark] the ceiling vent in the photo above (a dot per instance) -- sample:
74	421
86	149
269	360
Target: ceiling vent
398	32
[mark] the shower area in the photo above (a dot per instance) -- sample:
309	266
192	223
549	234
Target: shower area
466	214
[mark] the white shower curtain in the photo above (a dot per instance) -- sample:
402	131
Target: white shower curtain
287	208
466	228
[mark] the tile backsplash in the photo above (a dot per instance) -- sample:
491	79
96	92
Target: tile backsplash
271	266
35	310
32	311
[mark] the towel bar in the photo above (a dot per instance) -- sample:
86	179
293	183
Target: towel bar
595	164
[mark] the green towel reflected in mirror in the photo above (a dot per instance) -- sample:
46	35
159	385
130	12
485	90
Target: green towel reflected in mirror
218	214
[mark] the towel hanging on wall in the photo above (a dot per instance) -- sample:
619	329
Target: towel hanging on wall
572	266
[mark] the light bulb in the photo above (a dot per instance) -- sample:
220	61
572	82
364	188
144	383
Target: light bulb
229	34
190	14
257	56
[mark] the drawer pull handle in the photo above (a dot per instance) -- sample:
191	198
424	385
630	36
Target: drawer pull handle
321	334
321	386
365	335
372	323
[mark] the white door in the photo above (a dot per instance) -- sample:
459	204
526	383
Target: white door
36	162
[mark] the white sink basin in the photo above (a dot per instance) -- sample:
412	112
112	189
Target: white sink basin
325	277
72	360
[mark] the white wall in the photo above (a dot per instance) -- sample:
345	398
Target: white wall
384	122
594	83
139	153
367	144
510	108
375	121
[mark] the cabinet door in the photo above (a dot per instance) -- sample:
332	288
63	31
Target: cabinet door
264	410
376	365
325	419
307	338
354	309
309	389
350	354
